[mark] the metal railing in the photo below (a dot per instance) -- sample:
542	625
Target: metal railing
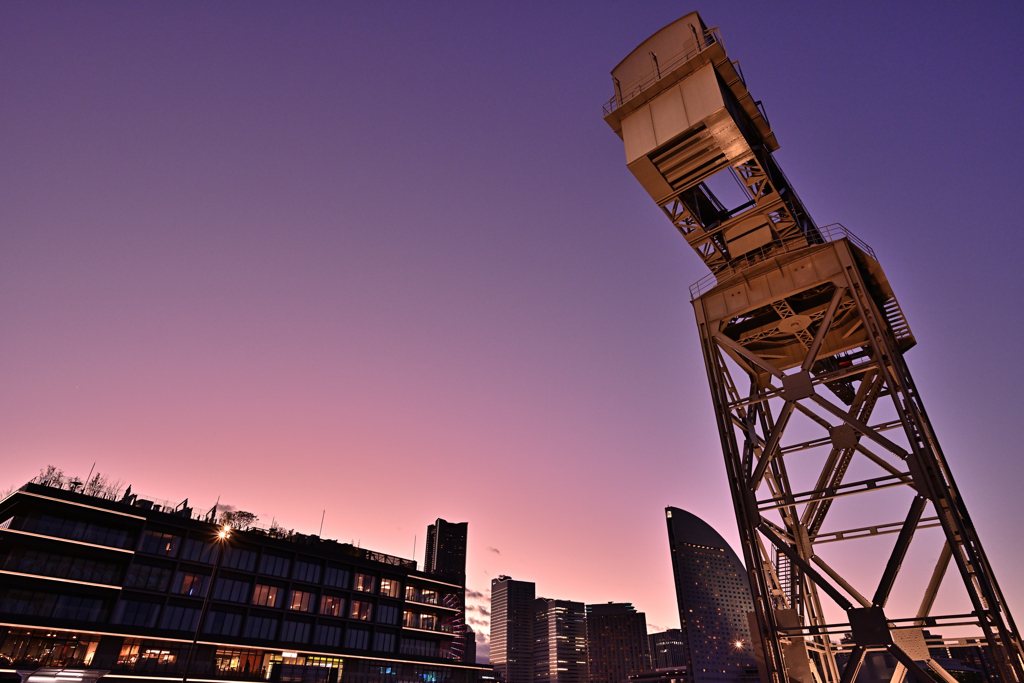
182	510
829	233
711	36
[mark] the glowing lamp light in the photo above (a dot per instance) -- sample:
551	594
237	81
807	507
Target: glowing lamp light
225	531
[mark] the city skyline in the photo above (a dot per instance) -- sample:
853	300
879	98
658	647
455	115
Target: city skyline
236	252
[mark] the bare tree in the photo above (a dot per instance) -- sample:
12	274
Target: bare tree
238	519
50	476
95	486
113	490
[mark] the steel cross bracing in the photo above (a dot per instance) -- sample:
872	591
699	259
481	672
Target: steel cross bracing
772	515
818	415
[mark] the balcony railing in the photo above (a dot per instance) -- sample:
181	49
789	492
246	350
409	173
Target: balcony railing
829	233
113	494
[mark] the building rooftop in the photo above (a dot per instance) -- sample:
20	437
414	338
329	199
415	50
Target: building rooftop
113	495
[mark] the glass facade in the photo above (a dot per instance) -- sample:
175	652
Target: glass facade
714	600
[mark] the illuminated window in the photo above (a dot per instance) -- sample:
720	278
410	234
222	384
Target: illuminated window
302	601
365	583
361	610
390	588
417	594
332	605
239	661
266	596
420	620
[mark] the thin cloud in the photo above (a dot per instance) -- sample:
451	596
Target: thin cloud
494	550
479	608
470	593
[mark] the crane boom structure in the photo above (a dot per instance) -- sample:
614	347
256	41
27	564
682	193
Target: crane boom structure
817	412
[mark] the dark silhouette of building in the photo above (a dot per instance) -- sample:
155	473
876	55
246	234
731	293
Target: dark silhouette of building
446	558
470	654
446	550
617	646
512	629
668	651
127	586
560	641
714	600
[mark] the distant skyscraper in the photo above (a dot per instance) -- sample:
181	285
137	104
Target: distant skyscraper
446	550
560	641
616	642
714	599
446	559
512	628
668	651
470	653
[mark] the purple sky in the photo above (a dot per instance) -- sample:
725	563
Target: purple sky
387	261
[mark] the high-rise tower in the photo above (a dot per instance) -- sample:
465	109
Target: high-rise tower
560	641
617	644
714	600
446	550
512	628
798	324
668	651
445	557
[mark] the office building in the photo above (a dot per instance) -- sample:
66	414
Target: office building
446	559
470	654
446	550
617	645
667	649
512	629
714	600
137	589
560	641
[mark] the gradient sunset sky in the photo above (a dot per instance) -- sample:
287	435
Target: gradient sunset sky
386	261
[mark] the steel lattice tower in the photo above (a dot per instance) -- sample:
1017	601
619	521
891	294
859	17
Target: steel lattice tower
803	341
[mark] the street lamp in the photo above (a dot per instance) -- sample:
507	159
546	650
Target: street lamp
223	534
